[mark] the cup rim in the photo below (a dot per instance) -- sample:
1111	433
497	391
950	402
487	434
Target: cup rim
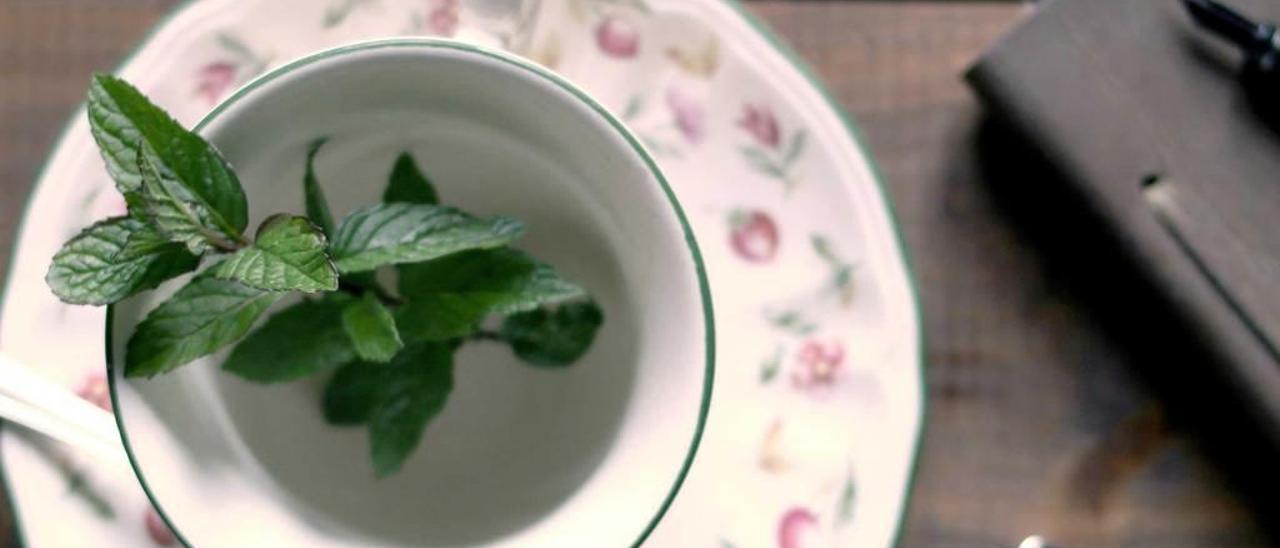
536	71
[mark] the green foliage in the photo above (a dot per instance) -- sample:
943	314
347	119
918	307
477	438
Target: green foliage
553	338
399	233
115	259
290	254
391	355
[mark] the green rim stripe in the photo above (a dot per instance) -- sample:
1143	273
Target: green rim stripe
564	85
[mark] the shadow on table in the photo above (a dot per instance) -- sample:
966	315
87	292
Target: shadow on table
1085	261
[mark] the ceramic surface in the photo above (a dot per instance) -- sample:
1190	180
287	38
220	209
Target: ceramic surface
587	455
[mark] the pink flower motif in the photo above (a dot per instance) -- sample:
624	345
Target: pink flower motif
442	18
93	389
618	38
215	79
760	122
689	115
818	363
753	235
160	533
794	527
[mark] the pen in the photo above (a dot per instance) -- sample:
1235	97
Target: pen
1259	41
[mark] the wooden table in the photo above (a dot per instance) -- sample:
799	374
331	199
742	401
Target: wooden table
1044	414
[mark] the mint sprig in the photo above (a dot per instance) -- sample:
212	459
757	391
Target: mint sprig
398	233
372	329
297	342
113	260
390	355
408	184
200	319
131	132
290	254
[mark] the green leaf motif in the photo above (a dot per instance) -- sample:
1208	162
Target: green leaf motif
408	184
114	259
770	368
372	329
449	296
822	246
553	338
201	318
417	384
845	506
795	149
297	342
760	162
793	322
289	255
125	123
313	195
351	393
408	233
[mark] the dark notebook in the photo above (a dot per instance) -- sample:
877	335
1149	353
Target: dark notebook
1144	112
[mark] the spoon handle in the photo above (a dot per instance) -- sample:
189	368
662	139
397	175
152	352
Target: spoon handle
52	410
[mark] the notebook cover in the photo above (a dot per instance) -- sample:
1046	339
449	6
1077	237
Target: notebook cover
1144	112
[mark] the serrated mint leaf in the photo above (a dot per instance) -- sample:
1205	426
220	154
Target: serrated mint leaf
417	383
114	259
171	207
553	337
289	255
408	233
124	121
112	107
198	320
449	296
317	205
408	184
296	342
371	329
352	392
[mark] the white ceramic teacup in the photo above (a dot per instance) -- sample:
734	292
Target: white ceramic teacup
590	455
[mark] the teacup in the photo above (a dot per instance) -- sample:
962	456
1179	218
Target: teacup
590	455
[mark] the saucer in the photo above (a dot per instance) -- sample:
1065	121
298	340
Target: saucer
817	408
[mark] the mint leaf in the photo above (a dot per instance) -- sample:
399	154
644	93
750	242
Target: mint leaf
124	122
289	255
199	319
317	205
450	295
114	259
413	391
553	338
371	329
351	393
296	342
172	208
408	184
409	233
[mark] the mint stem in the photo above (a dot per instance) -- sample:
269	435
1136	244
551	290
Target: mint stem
225	245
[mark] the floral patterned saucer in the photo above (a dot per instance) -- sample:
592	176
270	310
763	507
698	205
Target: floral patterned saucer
818	405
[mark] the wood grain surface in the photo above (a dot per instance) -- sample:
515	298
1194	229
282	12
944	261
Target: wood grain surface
1043	413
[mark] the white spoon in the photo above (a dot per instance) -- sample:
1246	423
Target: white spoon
31	401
